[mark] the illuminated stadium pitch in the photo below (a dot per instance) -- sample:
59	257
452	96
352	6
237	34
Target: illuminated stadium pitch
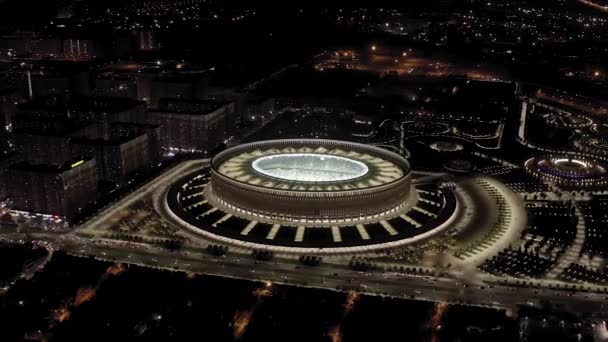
309	167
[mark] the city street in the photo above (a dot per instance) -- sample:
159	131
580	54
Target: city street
331	276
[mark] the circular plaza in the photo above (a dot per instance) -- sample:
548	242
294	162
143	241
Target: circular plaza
310	196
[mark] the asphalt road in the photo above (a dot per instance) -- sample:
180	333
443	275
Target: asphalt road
330	276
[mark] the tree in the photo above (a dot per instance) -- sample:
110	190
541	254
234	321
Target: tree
310	260
217	250
173	245
262	255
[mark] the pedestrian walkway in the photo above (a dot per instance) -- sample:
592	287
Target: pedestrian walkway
572	255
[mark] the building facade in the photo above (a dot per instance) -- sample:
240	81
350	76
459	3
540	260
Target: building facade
47	189
118	159
189	126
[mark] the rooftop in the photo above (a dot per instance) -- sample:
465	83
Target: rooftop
50	168
82	103
189	106
115	140
58	127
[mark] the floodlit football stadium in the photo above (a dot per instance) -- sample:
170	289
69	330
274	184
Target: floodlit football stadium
308	195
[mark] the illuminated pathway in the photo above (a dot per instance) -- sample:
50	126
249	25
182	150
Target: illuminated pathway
513	225
573	253
521	132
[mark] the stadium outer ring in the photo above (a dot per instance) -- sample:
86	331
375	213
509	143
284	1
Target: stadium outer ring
309	250
307	205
